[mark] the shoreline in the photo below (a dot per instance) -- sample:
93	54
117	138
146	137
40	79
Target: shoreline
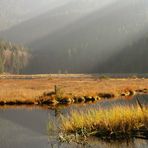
56	89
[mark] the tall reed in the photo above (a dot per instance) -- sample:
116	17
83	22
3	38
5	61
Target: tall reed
116	122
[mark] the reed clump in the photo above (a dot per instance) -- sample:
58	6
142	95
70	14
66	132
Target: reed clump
115	123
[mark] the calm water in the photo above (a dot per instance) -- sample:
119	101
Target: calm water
27	128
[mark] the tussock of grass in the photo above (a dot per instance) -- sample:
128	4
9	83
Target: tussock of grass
117	122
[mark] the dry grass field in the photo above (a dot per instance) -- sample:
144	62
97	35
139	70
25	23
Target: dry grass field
30	87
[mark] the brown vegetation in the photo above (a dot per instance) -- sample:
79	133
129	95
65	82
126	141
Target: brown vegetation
33	89
118	122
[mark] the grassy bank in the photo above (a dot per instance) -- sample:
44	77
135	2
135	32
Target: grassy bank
119	122
34	89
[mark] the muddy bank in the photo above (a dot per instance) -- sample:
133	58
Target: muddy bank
53	98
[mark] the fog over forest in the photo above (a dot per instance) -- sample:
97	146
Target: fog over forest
79	36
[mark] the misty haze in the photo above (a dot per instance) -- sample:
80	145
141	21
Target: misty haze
73	73
78	36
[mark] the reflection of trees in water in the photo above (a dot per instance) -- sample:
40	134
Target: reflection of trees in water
57	112
97	143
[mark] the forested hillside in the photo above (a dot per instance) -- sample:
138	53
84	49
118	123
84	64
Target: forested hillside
13	57
87	44
131	59
85	36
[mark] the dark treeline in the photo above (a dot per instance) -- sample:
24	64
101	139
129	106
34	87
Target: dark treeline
13	57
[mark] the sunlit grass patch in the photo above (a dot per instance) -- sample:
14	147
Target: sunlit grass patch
117	122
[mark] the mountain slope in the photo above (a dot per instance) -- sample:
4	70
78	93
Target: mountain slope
90	41
72	39
13	12
131	59
55	19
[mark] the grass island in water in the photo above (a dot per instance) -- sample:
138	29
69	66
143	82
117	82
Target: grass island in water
118	122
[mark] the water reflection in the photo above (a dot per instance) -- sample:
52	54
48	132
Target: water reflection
138	143
22	127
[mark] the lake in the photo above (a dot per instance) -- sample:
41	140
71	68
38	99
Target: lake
27	127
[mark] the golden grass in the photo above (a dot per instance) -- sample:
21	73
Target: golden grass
30	87
116	122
